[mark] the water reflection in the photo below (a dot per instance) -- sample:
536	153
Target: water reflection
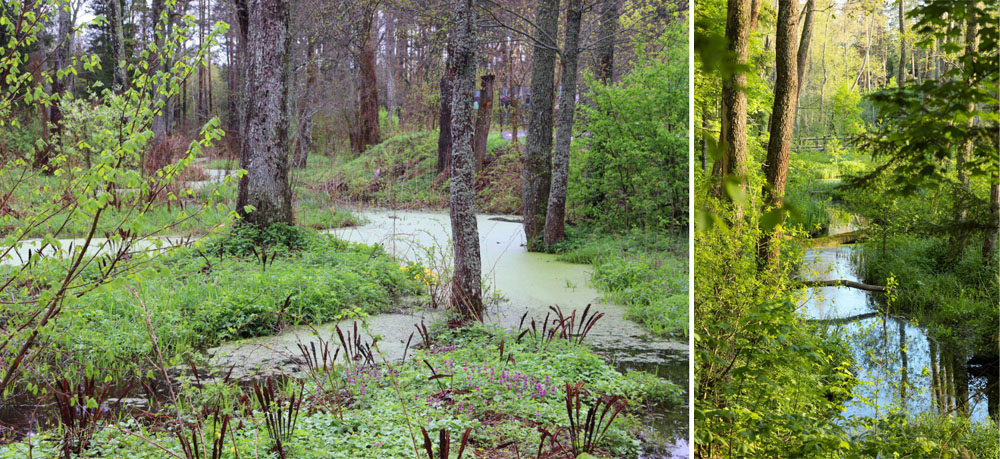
899	365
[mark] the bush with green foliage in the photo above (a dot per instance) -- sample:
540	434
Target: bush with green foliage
629	167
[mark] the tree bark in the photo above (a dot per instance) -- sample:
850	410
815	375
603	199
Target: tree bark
538	148
733	132
157	157
444	126
608	29
803	54
264	152
990	243
119	79
822	88
369	129
901	77
555	217
466	282
61	57
236	49
779	142
483	119
303	141
864	63
390	68
965	153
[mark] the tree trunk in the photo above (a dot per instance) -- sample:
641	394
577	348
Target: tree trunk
202	111
901	77
822	88
444	130
990	243
864	63
61	57
369	129
120	80
733	132
390	68
538	148
303	142
779	142
555	217
466	293
607	33
965	153
157	157
264	152
234	119
806	38
803	54
483	119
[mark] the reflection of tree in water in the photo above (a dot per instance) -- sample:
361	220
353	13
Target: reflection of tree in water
900	366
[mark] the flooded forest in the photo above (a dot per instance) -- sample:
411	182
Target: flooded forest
358	228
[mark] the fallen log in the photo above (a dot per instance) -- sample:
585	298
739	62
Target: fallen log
845	283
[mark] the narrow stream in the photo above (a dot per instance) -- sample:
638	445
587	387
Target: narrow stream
900	366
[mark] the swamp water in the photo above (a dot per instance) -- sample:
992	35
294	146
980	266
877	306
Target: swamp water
900	367
527	282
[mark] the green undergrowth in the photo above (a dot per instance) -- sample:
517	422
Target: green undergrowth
401	172
506	390
814	178
646	272
955	294
239	284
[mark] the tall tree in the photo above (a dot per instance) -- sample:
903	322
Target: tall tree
466	286
156	157
390	66
965	152
444	132
264	151
483	119
555	216
733	133
370	133
901	70
119	79
538	148
779	144
607	32
61	55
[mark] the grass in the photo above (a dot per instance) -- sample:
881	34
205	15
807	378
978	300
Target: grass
646	272
221	290
955	294
812	187
401	172
380	409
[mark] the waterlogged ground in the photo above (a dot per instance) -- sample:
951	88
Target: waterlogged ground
898	362
527	282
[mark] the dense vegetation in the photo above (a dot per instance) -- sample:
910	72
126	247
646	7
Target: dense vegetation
506	391
866	124
169	172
